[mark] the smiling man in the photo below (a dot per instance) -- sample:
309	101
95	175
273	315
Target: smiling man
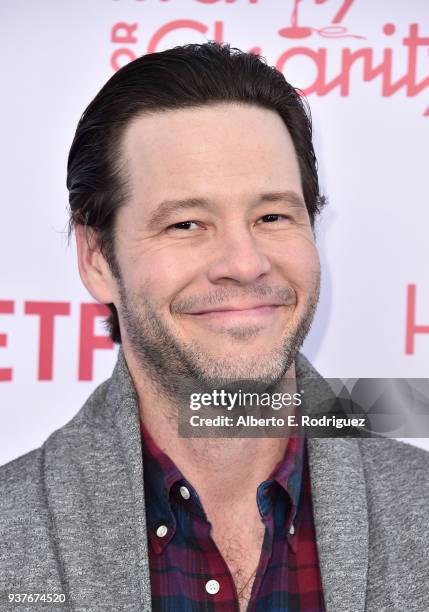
193	193
216	270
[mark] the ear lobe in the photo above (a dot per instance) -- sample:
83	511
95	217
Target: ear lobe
93	268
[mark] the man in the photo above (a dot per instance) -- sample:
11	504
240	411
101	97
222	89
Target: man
193	193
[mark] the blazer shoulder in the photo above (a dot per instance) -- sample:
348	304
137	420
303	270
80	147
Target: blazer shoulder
20	511
397	497
394	454
18	479
21	489
22	480
396	465
26	529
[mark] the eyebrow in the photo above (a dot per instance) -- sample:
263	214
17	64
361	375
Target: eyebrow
168	207
295	200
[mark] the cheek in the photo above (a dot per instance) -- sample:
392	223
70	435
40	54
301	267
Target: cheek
162	276
299	263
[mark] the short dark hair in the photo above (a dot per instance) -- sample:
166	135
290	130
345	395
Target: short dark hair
187	76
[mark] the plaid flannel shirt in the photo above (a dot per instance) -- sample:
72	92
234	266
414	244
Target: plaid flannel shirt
187	571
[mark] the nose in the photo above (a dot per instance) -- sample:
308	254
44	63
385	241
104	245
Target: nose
238	259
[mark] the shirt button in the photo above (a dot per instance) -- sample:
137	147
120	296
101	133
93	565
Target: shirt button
212	587
161	531
292	529
184	492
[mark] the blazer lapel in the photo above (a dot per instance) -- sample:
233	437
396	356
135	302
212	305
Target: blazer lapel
341	521
339	504
95	495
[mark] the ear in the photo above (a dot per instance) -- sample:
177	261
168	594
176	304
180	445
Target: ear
93	268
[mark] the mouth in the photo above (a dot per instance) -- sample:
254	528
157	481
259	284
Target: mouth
257	313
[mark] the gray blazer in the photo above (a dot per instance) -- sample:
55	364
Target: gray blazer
72	514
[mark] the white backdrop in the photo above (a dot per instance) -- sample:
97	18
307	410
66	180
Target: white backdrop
365	67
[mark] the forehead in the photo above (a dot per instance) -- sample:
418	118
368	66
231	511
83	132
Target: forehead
223	148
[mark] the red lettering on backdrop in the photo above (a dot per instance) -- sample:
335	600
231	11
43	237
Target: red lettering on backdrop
179	24
342	12
6	307
370	71
124	32
412	42
47	311
89	342
411	328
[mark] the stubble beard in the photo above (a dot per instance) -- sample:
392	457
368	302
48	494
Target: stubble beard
177	368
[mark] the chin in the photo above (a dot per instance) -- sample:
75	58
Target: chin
258	368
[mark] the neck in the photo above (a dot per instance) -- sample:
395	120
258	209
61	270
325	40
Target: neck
234	466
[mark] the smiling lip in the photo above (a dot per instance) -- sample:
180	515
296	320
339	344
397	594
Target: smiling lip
260	311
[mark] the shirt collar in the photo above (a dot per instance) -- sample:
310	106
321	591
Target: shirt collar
288	474
164	483
162	479
288	471
160	475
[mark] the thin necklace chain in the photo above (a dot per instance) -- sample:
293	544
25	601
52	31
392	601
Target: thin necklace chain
248	580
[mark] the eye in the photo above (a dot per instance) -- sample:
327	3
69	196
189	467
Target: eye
184	225
272	218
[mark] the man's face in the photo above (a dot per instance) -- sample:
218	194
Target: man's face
219	270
